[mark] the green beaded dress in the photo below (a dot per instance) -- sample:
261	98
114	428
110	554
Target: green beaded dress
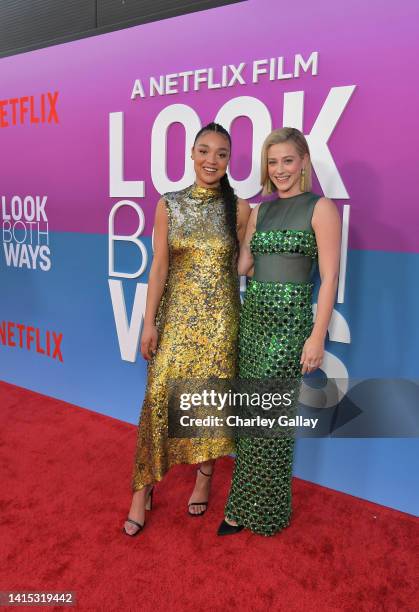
275	321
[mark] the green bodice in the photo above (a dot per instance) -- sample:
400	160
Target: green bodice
284	245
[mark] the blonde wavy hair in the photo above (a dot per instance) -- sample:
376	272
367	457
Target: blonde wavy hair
276	137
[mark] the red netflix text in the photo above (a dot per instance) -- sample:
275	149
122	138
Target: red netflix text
41	108
31	338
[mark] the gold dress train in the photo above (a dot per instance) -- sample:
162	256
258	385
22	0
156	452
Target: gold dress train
197	321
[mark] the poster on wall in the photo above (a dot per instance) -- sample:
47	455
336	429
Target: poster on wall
93	132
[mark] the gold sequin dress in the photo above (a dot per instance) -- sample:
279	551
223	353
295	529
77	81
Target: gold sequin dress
197	321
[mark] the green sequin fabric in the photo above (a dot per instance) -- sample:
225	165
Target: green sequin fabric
284	241
275	321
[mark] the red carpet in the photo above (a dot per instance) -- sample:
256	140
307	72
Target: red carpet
65	494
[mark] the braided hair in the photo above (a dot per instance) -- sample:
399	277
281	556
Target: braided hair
227	191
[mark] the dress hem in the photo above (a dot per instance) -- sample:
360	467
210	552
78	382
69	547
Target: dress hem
159	478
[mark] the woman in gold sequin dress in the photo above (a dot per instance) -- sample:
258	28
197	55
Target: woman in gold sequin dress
191	319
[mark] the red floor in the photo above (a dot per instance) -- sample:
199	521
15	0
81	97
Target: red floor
65	493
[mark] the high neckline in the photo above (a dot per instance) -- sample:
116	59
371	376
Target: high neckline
204	193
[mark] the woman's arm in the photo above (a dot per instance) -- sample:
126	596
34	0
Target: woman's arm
245	263
243	213
156	280
327	228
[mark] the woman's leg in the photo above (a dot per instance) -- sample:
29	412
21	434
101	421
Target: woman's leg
202	487
137	509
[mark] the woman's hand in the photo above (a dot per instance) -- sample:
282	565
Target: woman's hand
149	340
312	355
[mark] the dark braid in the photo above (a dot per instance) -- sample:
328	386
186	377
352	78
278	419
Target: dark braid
230	202
227	191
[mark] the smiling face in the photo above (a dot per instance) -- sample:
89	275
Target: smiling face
211	154
284	168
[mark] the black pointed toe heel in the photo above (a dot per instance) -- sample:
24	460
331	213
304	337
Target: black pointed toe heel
227	529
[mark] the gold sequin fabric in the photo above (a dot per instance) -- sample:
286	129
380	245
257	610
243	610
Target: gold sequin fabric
197	321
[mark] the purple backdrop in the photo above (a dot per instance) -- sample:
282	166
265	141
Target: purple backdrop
373	145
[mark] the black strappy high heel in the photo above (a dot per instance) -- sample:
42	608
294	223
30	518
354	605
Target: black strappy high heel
200	503
148	506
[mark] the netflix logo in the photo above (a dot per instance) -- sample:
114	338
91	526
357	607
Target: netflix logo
41	108
32	339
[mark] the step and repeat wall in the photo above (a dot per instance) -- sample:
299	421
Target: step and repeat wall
92	131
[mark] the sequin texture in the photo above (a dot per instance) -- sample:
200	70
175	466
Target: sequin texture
197	322
275	321
284	241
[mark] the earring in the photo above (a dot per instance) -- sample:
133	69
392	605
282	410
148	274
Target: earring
302	179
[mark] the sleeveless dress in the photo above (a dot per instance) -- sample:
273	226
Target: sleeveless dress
197	322
275	321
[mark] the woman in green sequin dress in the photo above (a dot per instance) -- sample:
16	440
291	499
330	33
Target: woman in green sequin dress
277	338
